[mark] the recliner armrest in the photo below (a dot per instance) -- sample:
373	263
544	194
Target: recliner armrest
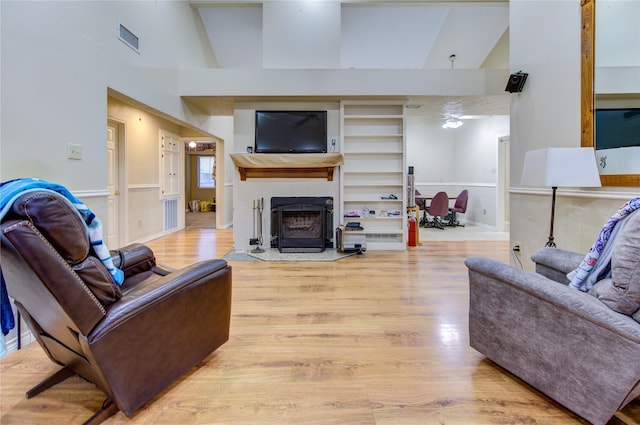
578	304
170	322
555	263
133	259
158	290
564	342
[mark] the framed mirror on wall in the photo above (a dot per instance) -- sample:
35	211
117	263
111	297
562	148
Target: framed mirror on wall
611	88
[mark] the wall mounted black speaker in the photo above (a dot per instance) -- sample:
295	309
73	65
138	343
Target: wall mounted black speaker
516	82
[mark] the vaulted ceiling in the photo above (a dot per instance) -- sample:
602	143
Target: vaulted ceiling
360	35
366	34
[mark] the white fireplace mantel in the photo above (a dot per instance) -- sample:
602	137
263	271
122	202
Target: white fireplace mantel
288	165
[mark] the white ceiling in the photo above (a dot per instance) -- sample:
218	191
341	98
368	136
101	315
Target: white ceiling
360	35
366	34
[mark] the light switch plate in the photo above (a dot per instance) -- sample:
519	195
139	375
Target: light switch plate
74	151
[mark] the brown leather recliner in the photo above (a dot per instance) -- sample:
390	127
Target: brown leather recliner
131	341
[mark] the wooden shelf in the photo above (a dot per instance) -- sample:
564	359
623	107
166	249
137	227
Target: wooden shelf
287	165
374	146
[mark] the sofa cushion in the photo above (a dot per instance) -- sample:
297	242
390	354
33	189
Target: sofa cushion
621	292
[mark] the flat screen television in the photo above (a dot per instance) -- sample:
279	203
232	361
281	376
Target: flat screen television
291	132
616	128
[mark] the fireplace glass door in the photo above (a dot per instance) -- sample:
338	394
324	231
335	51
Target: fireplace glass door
301	228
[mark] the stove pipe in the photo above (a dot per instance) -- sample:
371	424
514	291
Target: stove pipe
411	191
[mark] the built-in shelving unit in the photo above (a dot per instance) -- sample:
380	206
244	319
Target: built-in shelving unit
373	177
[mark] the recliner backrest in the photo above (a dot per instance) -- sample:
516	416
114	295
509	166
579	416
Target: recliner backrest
46	234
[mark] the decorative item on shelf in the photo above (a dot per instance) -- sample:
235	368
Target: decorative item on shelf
560	167
390	196
353	225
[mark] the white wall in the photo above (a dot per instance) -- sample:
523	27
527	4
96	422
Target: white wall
223	127
427	145
58	58
455	159
141	197
545	114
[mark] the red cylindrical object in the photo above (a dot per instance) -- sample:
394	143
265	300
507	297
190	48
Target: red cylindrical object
413	228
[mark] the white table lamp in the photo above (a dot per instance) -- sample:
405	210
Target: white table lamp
560	167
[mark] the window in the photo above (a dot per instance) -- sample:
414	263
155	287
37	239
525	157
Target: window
206	172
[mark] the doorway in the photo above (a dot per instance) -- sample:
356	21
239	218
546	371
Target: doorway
502	184
201	184
116	180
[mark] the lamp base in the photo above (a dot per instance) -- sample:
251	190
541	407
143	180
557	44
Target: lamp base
550	243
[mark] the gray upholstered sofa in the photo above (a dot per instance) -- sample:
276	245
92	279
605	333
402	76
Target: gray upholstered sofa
573	346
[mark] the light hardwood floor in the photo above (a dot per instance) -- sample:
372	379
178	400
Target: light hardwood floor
379	338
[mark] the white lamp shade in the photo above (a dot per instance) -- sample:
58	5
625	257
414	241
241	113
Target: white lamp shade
561	167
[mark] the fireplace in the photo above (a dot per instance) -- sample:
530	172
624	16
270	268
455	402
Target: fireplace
302	223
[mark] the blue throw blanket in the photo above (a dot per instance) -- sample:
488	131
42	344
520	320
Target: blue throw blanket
7	319
9	192
599	256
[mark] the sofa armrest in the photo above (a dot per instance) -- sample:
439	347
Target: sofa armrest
555	263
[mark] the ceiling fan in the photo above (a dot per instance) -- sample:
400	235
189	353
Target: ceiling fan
455	121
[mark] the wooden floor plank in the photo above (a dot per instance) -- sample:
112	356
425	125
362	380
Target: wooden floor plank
379	338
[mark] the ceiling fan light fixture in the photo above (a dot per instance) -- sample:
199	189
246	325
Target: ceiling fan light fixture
452	123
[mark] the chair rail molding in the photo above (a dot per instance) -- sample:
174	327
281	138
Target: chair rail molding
575	193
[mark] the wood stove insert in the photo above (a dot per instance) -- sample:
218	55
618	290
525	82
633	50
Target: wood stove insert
301	224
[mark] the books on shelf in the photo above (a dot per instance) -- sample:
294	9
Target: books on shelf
353	225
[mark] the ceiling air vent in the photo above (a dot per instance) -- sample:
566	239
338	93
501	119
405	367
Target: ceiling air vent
128	38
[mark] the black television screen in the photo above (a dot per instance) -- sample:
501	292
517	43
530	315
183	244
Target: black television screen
617	128
291	132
